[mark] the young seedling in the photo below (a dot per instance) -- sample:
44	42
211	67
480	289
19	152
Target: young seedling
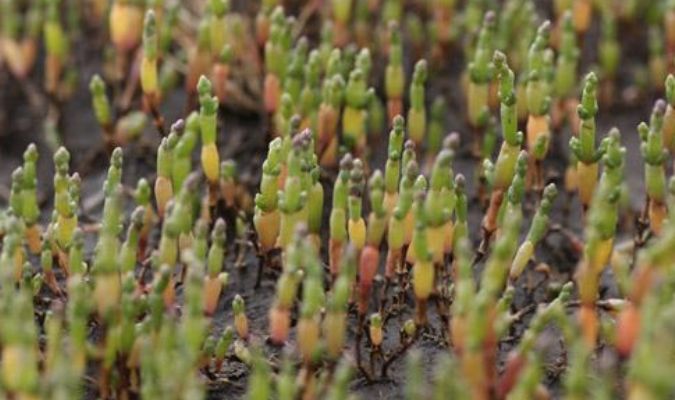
208	115
266	219
538	103
669	27
668	132
609	53
392	172
102	110
584	147
520	359
538	228
56	46
220	73
125	23
505	247
47	262
184	210
163	185
143	195
310	95
341	12
286	384
240	319
223	346
654	156
76	264
436	130
339	389
149	79
261	377
600	231
30	210
215	280
327	120
399	223
335	321
444	12
355	114
293	197
423	268
566	75
338	215
658	66
505	165
394	80
582	14
105	266
519	57
651	264
417	115
315	200
167	256
482	313
361	25
66	220
356	225
439	206
480	75
392	10
20	357
129	250
295	72
19	49
313	300
286	291
285	124
276	55
218	33
649	365
13	254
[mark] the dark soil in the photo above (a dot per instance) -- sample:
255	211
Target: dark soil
244	138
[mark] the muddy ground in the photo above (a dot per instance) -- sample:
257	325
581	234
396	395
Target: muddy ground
244	138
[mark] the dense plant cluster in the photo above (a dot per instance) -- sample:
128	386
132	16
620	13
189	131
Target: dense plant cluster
379	232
